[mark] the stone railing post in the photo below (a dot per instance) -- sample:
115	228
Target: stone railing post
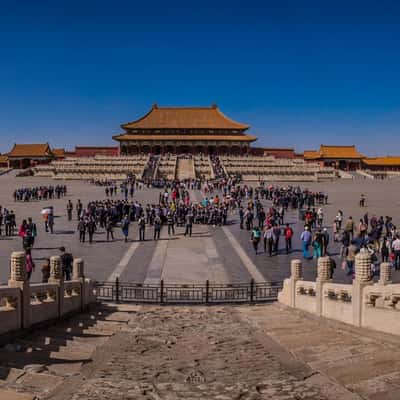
18	279
324	274
78	274
296	271
56	277
385	277
363	277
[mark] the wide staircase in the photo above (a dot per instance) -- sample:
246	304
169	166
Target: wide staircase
151	167
35	365
185	169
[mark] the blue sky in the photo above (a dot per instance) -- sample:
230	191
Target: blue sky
301	73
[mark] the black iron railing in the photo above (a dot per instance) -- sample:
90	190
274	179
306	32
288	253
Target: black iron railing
208	293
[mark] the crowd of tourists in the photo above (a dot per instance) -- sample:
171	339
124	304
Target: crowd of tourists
174	208
40	193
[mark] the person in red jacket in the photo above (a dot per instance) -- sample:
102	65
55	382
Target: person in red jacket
288	233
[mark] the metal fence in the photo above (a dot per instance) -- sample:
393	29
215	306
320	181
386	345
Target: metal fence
207	293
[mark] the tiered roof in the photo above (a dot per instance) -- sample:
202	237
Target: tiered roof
332	152
184	118
30	150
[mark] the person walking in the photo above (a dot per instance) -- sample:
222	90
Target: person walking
91	228
79	208
268	240
189	224
29	264
255	238
171	223
70	207
157	227
109	229
125	227
288	234
50	222
396	251
82	230
32	230
349	227
66	263
306	238
142	228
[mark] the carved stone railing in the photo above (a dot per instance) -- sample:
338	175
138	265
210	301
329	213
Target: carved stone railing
362	303
23	305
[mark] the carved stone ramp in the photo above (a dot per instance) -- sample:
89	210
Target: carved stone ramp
364	362
186	353
38	362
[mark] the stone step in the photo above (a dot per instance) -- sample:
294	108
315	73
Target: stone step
359	360
54	344
6	394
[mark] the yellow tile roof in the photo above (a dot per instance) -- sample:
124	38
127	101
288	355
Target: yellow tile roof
30	150
385	161
184	118
311	154
238	138
339	152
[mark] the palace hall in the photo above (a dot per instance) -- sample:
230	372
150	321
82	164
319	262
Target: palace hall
184	130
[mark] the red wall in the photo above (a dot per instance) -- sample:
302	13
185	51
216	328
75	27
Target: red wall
86	151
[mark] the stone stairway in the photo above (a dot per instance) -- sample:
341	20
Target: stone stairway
185	169
365	363
36	364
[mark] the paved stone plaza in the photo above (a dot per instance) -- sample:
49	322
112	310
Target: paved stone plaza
217	254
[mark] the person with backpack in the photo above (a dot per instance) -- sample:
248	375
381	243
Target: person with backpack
288	234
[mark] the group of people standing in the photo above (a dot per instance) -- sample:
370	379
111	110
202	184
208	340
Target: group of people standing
40	193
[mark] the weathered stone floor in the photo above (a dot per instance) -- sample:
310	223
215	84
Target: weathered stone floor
198	353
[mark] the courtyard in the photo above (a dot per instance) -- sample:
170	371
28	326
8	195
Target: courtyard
218	254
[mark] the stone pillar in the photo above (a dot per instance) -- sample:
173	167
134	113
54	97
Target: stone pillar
78	274
363	277
296	271
56	277
18	279
324	268
385	274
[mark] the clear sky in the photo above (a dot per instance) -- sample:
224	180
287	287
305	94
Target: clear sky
301	73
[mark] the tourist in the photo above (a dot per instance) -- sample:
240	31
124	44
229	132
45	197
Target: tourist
255	238
109	229
189	224
268	239
362	201
157	227
396	252
351	252
66	263
125	227
317	244
142	228
288	234
32	230
171	223
306	238
349	227
29	264
82	230
91	228
325	242
78	208
70	208
45	270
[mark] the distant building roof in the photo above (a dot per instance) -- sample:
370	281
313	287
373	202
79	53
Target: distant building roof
333	152
30	150
184	118
382	161
3	159
311	154
339	152
59	153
